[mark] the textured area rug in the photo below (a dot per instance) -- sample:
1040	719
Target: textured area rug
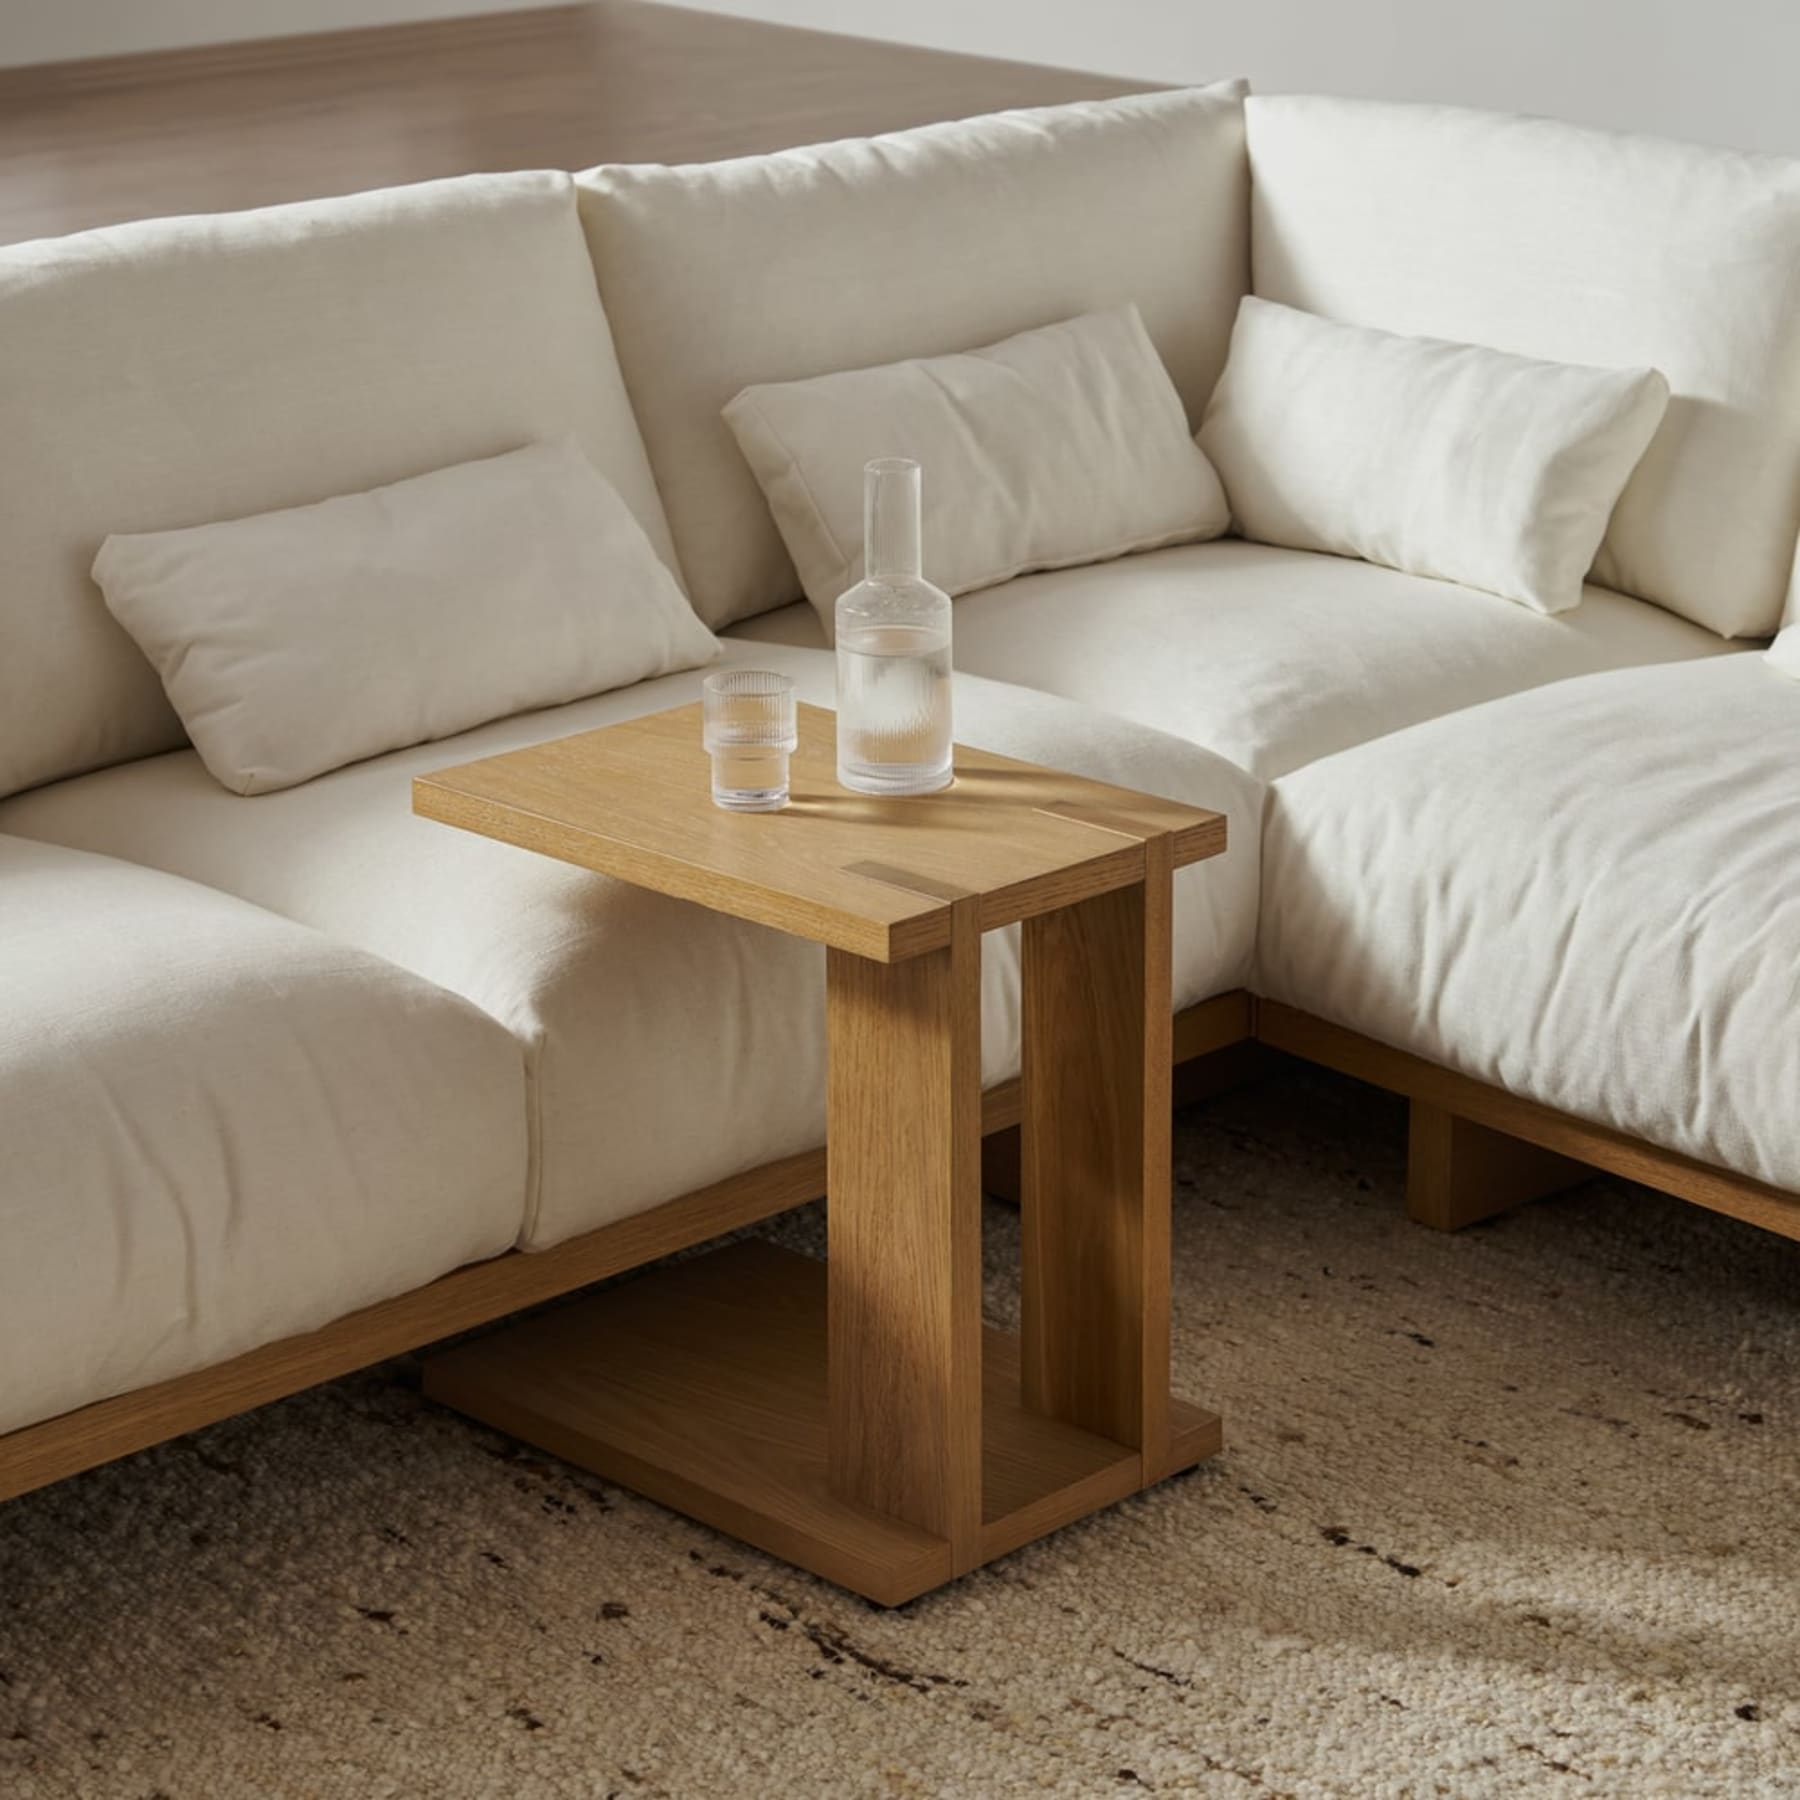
1512	1512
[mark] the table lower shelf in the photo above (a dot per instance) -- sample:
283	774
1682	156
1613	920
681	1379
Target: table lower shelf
702	1385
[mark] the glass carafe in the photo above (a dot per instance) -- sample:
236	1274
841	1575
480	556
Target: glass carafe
893	650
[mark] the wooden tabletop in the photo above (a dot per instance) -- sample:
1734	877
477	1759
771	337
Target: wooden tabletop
872	876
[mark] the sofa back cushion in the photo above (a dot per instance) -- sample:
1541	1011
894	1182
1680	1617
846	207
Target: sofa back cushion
179	371
720	276
1580	246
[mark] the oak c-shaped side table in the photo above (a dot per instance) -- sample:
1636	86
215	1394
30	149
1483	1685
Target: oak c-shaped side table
855	1416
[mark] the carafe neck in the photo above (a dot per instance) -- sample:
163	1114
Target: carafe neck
891	547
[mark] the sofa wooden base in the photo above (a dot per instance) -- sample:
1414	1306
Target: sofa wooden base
43	1453
466	1297
65	1445
1455	1188
703	1385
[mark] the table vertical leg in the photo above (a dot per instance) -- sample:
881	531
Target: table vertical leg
1095	1163
903	1156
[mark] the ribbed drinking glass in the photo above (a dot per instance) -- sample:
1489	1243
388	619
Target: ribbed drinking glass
750	732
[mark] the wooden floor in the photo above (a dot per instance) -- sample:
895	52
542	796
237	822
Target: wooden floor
94	143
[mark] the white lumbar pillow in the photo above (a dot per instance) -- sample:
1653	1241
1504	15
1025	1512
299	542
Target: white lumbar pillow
297	641
1440	459
1063	445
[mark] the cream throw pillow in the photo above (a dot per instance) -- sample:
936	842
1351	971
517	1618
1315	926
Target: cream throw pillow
1063	445
294	642
1439	459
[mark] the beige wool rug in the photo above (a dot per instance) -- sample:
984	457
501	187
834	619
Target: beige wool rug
1513	1512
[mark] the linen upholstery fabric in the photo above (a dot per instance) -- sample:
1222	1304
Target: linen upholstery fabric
294	642
184	370
1784	653
218	1129
1584	895
1580	246
667	1047
720	276
1274	657
1441	459
1066	444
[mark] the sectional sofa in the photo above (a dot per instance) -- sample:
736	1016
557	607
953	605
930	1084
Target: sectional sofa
294	1081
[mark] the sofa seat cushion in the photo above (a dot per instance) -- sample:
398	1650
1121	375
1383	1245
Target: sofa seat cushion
1276	657
1584	895
667	1047
218	1128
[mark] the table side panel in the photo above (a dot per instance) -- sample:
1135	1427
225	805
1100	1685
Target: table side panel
903	1171
1095	1163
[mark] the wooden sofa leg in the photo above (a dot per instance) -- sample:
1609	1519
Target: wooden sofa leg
1458	1172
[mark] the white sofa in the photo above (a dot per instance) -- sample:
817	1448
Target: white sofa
268	1061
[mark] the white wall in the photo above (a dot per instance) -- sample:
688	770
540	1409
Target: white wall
1721	71
38	31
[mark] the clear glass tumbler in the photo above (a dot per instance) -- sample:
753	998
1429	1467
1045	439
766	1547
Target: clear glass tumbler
893	650
750	733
